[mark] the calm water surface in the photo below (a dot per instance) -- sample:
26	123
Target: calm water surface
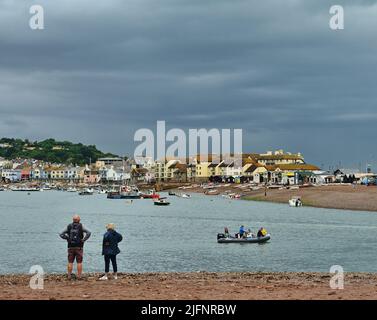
182	236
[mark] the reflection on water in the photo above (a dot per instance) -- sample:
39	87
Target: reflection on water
182	236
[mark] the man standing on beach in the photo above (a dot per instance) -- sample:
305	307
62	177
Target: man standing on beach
74	234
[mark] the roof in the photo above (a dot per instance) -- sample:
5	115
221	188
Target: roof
110	159
278	157
252	168
140	170
181	167
296	166
213	165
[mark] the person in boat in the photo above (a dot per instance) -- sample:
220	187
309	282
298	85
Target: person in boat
242	232
262	232
74	234
110	249
226	232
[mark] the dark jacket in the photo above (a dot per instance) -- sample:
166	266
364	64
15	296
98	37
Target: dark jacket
110	242
66	235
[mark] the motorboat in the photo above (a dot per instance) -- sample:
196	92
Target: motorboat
184	195
295	202
86	192
125	192
25	189
213	192
161	202
221	238
150	194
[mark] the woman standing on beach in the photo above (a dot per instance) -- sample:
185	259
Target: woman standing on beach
110	249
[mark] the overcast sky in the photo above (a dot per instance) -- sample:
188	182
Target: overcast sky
102	69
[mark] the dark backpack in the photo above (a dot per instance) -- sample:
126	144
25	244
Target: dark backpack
75	234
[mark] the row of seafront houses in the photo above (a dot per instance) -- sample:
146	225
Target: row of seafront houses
272	167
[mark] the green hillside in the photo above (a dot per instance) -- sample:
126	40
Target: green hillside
51	151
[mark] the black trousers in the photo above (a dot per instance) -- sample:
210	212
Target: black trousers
113	259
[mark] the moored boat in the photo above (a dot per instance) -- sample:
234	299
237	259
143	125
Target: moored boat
184	195
25	189
150	194
213	192
161	202
125	192
86	192
295	202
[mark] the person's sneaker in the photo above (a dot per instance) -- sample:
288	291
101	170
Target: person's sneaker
71	276
104	278
115	277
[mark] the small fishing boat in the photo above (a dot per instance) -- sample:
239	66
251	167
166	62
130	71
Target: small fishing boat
161	202
295	202
25	189
86	192
183	195
71	189
171	193
222	239
148	195
125	192
232	196
212	192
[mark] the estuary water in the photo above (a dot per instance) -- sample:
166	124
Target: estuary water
182	236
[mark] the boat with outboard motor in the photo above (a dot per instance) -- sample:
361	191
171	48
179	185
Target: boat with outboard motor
161	202
221	238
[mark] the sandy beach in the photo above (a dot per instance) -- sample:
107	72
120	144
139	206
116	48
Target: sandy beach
345	197
193	286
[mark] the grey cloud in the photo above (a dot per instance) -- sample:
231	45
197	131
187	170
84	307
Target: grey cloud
99	71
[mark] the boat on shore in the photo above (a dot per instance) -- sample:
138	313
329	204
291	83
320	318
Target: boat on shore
230	239
25	189
212	192
232	196
72	189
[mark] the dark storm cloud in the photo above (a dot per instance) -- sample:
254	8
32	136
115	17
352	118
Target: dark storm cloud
99	71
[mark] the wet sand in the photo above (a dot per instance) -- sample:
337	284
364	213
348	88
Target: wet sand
193	286
332	196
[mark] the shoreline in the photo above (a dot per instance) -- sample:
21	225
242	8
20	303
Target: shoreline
197	286
335	196
341	197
